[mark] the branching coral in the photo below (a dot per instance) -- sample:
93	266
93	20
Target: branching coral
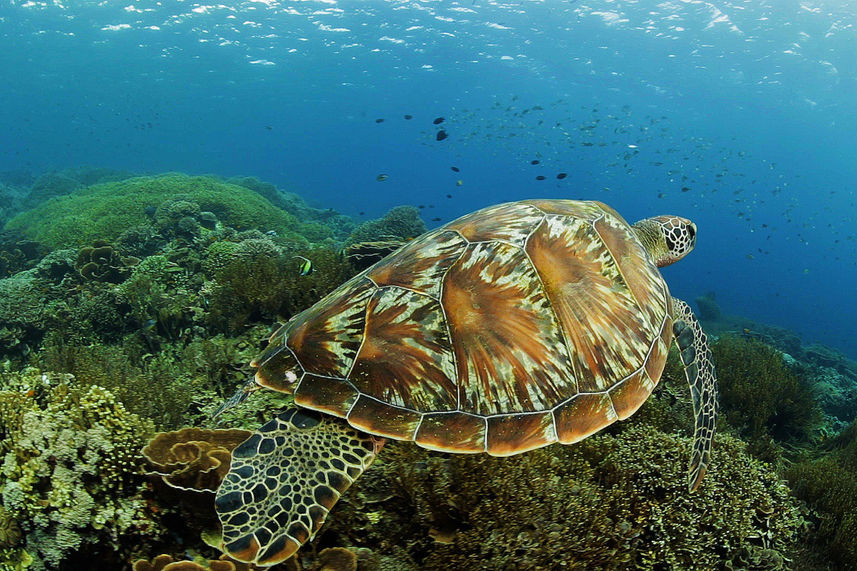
255	280
611	501
70	474
402	222
760	394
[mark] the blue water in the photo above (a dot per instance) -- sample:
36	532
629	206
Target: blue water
739	115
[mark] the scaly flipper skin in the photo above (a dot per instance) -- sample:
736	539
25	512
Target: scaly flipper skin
283	481
699	371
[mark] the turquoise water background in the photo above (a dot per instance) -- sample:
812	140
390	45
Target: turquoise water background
739	115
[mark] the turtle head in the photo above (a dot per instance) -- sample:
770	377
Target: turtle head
667	238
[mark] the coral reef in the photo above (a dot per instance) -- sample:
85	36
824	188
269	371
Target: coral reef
104	211
27	300
70	474
709	310
255	280
401	222
101	262
323	221
611	501
829	485
193	458
760	394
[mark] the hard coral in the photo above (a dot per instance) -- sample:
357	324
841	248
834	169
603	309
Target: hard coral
253	283
402	222
193	458
611	501
166	562
70	474
101	262
759	394
104	211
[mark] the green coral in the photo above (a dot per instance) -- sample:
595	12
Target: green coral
104	211
28	301
153	386
402	222
70	475
611	501
829	485
760	394
256	280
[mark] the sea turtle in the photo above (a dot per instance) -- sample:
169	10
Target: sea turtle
511	328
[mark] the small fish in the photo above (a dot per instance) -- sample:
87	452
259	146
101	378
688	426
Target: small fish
306	266
382	177
379	120
561	175
436	219
449	196
540	177
438	121
408	117
441	135
459	182
455	169
148	324
272	233
535	161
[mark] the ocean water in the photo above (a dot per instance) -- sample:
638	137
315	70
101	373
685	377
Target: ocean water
737	114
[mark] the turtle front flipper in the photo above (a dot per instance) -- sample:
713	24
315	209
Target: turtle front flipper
699	371
283	481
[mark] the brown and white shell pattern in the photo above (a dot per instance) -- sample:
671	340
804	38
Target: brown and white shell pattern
513	327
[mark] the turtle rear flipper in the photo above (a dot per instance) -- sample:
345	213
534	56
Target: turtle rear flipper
699	371
283	481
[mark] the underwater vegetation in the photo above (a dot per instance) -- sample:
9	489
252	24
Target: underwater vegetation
829	485
130	308
760	395
70	477
174	203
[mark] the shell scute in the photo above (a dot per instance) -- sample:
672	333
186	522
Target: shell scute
583	415
631	393
326	337
406	358
510	222
514	433
420	264
580	209
457	431
509	357
380	418
325	394
600	319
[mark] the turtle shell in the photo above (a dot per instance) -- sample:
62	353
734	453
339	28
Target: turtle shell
513	327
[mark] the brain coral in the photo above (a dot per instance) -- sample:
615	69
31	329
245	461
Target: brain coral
104	211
